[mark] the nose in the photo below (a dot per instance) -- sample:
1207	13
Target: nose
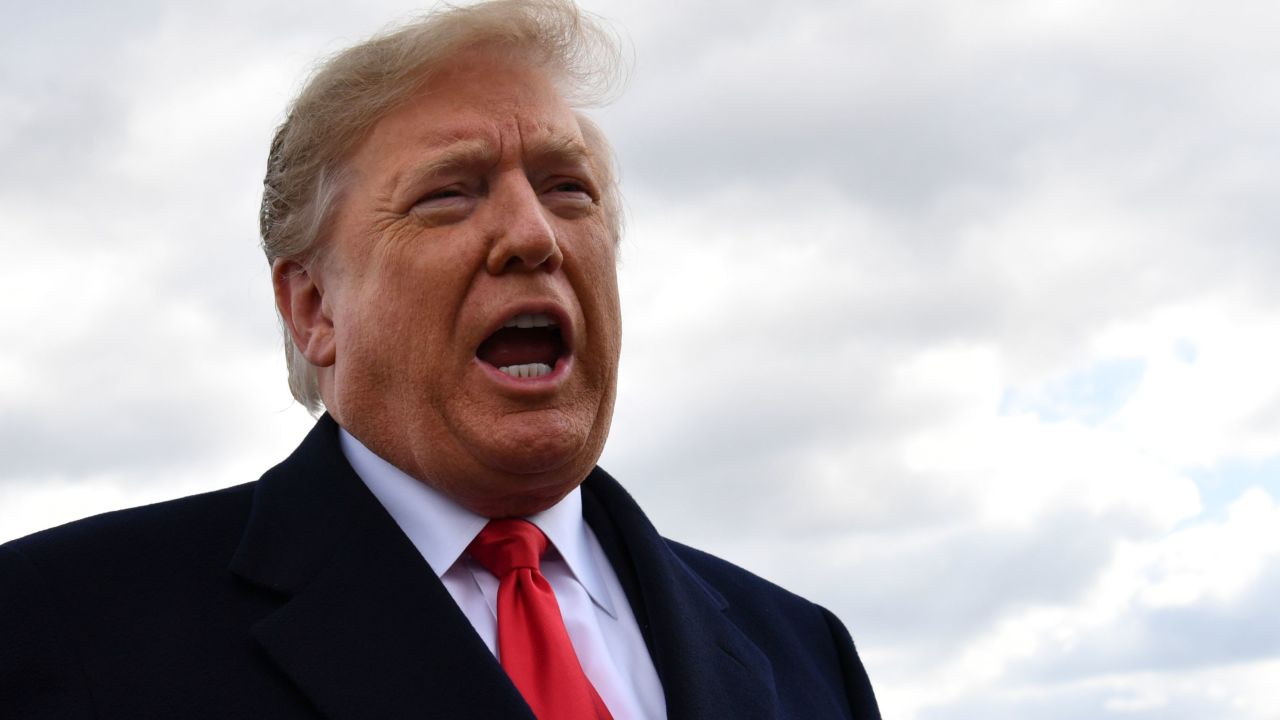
523	239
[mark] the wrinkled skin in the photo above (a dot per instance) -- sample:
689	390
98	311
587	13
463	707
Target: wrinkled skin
476	200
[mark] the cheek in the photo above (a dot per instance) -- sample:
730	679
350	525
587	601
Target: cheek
418	290
606	288
606	315
393	321
600	283
595	259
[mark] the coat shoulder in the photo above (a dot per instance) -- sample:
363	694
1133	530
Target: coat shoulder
121	565
734	582
794	632
133	584
180	529
765	611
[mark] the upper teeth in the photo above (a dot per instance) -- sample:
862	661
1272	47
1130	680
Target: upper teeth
529	320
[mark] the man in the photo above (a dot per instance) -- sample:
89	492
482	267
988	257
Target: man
441	226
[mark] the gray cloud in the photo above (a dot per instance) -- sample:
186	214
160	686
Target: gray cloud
820	193
1203	634
938	593
1075	703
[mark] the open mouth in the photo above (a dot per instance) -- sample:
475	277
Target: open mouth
526	346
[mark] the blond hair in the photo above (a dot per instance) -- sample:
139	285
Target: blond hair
351	91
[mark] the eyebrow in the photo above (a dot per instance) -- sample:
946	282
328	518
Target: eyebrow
559	149
458	155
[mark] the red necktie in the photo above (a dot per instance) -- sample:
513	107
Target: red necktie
533	645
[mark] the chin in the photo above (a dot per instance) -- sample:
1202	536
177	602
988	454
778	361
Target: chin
537	443
554	455
524	483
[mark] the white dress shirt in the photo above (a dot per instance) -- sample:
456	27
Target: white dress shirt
596	613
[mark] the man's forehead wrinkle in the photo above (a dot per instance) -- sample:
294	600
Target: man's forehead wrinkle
483	138
457	155
552	139
559	147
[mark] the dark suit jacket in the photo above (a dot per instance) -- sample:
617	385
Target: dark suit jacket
298	597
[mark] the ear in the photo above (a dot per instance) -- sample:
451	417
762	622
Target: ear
300	299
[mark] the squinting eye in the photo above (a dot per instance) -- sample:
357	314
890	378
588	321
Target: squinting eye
445	198
445	205
572	188
442	195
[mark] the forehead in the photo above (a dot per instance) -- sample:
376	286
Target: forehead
480	100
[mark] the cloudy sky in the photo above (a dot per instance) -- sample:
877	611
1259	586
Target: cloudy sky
958	317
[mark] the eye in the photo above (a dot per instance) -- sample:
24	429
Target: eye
445	194
570	190
445	204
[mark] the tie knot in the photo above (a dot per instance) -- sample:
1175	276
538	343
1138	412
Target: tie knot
504	545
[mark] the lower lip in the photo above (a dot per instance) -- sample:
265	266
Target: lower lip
531	385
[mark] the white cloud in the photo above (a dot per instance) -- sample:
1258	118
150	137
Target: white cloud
939	313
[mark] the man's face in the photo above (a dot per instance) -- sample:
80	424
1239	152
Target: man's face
473	208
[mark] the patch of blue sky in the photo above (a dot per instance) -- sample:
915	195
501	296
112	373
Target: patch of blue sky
1186	351
1223	483
1089	396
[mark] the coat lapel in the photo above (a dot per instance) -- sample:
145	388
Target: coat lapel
367	629
708	668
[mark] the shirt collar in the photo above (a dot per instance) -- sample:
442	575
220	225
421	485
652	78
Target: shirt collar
563	525
441	529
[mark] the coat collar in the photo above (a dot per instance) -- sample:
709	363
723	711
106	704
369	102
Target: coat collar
708	667
366	629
